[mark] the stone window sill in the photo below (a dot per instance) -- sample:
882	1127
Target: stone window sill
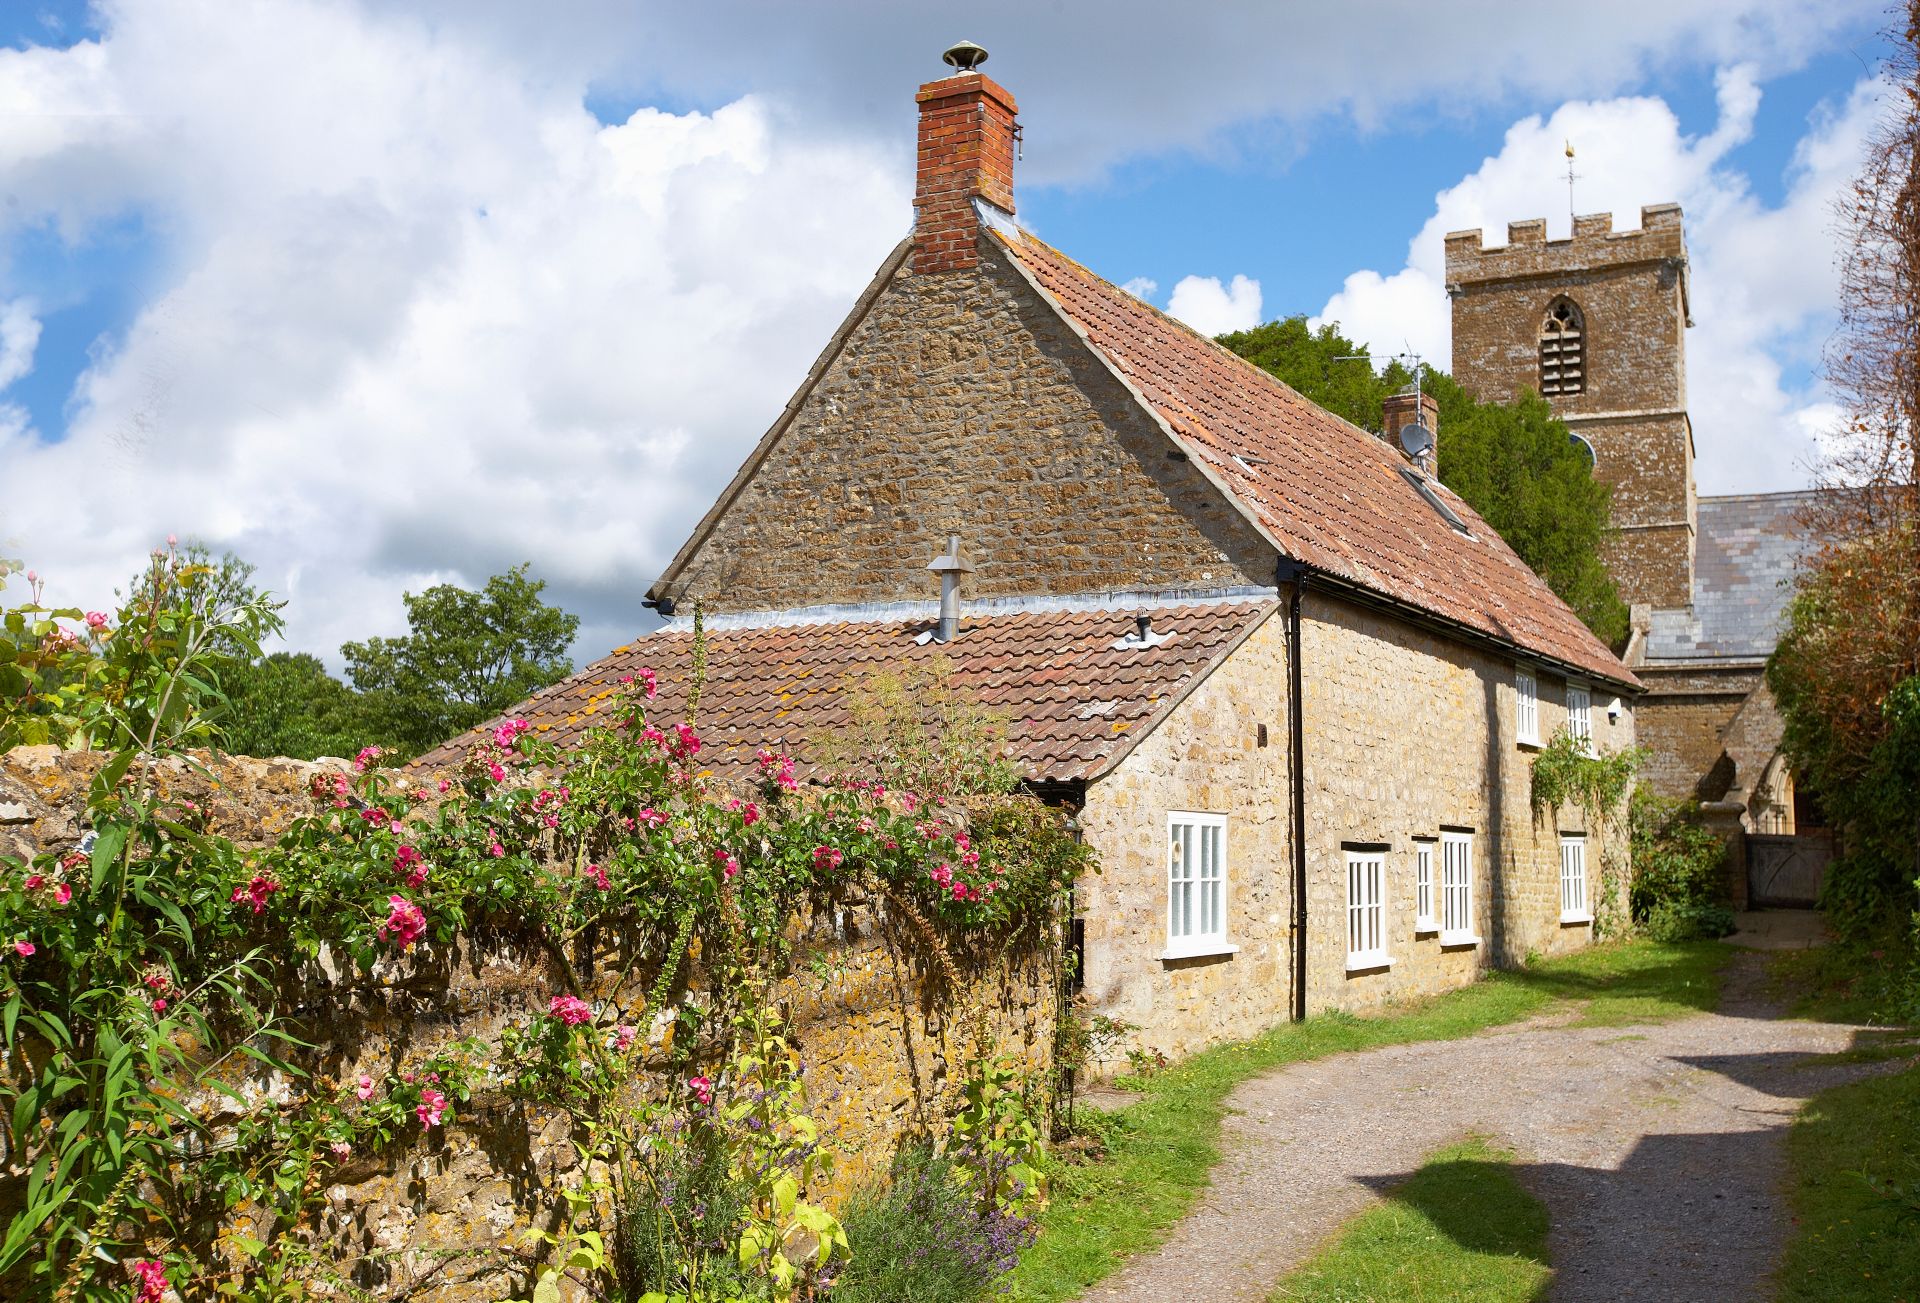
1576	920
1372	961
1425	927
1528	743
1449	940
1198	948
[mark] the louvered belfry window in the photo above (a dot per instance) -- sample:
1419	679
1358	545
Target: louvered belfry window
1563	350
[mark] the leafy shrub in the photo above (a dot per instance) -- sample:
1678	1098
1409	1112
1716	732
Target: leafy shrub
926	1237
1679	886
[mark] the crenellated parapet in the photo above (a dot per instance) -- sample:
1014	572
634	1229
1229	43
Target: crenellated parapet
1594	249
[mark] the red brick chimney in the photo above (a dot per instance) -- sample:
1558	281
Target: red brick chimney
1400	410
966	150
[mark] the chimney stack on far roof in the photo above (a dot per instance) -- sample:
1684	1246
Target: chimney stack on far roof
949	567
967	134
1405	408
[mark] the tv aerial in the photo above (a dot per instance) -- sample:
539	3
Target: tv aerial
1416	437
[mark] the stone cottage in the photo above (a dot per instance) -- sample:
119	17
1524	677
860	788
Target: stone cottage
1288	681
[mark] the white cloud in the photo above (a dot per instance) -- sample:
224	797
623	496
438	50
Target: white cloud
1212	308
1142	287
19	336
427	317
1761	306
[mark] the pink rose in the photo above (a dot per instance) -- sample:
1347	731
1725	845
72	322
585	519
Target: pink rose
96	620
35	881
342	1151
599	876
702	1089
826	858
406	922
160	1004
364	1089
23	948
255	892
150	1280
431	1107
623	1036
367	758
728	865
63	893
570	1009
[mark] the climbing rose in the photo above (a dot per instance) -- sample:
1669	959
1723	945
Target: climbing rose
341	1151
826	857
23	948
365	760
503	737
570	1009
255	892
778	770
35	881
686	743
96	619
702	1089
62	893
623	1036
728	865
496	773
599	876
430	1108
406	923
151	1277
410	862
364	1089
160	1005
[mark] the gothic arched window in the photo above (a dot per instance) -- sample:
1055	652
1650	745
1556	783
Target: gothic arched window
1563	350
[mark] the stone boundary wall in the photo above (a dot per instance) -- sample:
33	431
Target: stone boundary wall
880	1032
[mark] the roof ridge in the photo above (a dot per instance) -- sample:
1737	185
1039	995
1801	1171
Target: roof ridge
1265	375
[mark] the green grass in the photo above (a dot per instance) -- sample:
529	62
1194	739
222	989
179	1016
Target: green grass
1460	1228
1855	1156
1159	1150
1866	982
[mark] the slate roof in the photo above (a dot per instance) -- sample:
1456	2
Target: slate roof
1746	553
1329	493
1075	702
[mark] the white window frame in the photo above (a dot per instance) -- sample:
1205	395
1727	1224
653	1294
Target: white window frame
1367	910
1575	905
1456	890
1196	860
1423	920
1580	716
1526	707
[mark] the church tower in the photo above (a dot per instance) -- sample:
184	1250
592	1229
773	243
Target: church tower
1596	325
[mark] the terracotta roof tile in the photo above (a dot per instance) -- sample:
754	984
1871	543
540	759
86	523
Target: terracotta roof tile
1331	494
779	686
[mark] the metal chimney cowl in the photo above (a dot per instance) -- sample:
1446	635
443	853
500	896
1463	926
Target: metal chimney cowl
949	566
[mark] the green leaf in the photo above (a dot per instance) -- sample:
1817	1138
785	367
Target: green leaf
112	839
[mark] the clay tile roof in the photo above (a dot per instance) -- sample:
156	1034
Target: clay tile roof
1329	493
1075	703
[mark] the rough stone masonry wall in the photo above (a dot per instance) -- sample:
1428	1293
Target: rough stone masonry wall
1683	722
1408	734
881	1041
961	404
1206	756
1630	285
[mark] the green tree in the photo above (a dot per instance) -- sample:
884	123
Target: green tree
1514	463
287	704
470	655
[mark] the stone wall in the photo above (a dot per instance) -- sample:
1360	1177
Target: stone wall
1407	735
1631	287
961	404
1683	722
878	1029
1206	756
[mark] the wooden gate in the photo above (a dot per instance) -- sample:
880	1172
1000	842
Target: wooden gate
1786	870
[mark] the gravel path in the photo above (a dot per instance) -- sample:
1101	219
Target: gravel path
1657	1150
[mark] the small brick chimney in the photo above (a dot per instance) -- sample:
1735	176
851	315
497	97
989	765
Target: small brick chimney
1399	410
966	150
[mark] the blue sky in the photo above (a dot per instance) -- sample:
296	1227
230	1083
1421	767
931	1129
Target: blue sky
384	295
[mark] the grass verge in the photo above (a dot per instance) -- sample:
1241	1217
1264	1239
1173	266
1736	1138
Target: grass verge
1460	1228
1855	1157
1159	1150
1870	982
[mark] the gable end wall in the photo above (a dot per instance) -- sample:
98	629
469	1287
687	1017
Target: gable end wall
962	404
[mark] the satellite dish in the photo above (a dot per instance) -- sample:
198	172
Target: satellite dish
1416	439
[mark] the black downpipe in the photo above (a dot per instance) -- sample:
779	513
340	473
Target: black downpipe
1294	573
